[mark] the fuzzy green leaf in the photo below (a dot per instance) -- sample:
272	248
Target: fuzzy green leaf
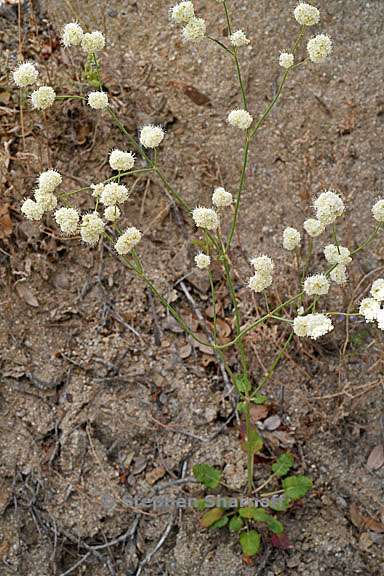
254	441
220	523
260	515
236	524
242	383
259	399
207	475
283	464
295	487
250	542
279	504
211	517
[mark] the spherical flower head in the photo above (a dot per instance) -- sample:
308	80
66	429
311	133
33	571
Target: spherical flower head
291	238
43	98
286	59
49	180
221	198
377	290
239	39
202	260
312	325
98	100
328	206
319	48
263	264
378	211
32	210
260	281
205	218
91	228
25	75
182	12
380	319
240	119
121	161
337	255
72	34
316	285
46	200
195	30
128	240
339	274
93	41
151	136
369	308
306	14
113	194
313	227
112	213
67	219
97	189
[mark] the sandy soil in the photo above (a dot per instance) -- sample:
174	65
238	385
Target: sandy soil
101	396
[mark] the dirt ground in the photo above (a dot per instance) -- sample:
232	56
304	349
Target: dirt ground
101	396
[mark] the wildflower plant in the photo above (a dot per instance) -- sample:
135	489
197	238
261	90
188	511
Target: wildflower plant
305	312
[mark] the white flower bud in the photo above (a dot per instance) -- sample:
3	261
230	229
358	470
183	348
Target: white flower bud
260	281
49	180
97	189
238	39
313	227
263	264
112	213
328	206
46	200
339	274
182	12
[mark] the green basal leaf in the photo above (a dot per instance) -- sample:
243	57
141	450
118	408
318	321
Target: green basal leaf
279	504
250	542
295	487
283	464
220	523
241	407
207	475
260	515
254	441
211	517
259	399
242	383
236	524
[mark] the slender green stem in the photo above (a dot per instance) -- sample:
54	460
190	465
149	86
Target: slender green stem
220	44
213	296
274	364
239	193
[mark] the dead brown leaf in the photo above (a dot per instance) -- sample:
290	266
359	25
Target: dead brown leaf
24	292
259	412
5	222
364	522
376	458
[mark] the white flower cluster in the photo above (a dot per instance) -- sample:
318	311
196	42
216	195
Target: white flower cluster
239	39
319	48
114	193
73	35
378	211
262	279
202	260
43	97
98	100
306	14
340	257
328	207
91	228
312	325
291	238
67	219
25	75
240	119
127	241
286	59
121	161
205	218
316	285
45	200
221	198
194	28
371	308
151	136
313	227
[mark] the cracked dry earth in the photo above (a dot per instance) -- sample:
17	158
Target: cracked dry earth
101	396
